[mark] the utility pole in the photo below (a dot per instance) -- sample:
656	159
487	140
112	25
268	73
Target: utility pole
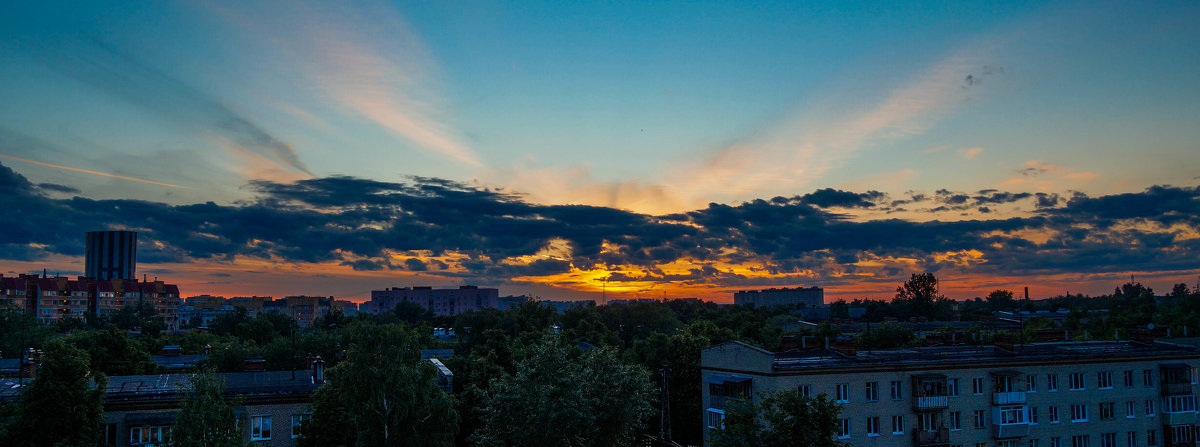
293	345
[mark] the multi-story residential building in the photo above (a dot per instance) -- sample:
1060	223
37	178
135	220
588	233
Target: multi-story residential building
139	410
18	292
794	297
440	301
111	255
201	310
62	297
1054	394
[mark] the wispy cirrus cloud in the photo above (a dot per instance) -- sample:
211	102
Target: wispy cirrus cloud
362	57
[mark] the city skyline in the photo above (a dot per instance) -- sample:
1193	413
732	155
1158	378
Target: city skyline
570	151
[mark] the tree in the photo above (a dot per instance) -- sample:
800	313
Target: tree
204	418
113	352
918	297
561	396
64	405
783	418
1001	300
383	394
141	316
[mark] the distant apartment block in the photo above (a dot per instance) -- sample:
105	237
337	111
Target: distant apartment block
54	298
200	311
1053	394
111	255
794	297
441	301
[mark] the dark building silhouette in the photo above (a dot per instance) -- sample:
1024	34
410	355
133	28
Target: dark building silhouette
111	255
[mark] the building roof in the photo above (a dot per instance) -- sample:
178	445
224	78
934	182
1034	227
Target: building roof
940	355
168	386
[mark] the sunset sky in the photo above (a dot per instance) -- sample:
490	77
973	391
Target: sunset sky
570	150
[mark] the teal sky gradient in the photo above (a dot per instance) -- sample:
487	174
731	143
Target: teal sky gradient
654	106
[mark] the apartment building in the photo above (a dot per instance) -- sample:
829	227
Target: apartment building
791	297
1052	394
440	301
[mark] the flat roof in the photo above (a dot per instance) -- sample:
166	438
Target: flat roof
1028	353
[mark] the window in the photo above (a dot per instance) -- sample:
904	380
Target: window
956	420
1132	437
872	391
1055	442
1106	412
1152	437
1179	404
299	419
1031	383
1108	440
898	425
805	390
1053	414
260	427
714	419
844	429
1012	415
1148	379
1104	381
925	421
1128	381
897	390
1033	443
1182	434
1051	382
1149	408
873	426
1080	441
1079	413
952	386
977	385
1076	382
843	394
980	419
1130	409
149	435
1033	418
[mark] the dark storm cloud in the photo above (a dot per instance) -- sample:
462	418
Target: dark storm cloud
52	187
357	222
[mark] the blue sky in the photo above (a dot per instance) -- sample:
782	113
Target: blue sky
651	107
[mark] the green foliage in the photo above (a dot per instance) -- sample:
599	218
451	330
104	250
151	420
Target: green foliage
141	316
384	394
783	418
20	330
886	336
113	352
64	406
205	419
561	396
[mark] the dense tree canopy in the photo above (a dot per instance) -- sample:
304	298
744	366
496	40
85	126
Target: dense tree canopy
64	406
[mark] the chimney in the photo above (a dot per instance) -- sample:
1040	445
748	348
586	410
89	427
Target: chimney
318	370
844	346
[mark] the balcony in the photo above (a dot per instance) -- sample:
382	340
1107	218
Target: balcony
931	403
1179	418
1176	388
929	438
1010	430
1008	398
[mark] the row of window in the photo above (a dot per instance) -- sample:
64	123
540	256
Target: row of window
1182	434
1000	384
260	425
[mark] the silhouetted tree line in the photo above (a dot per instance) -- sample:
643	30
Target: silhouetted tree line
604	363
